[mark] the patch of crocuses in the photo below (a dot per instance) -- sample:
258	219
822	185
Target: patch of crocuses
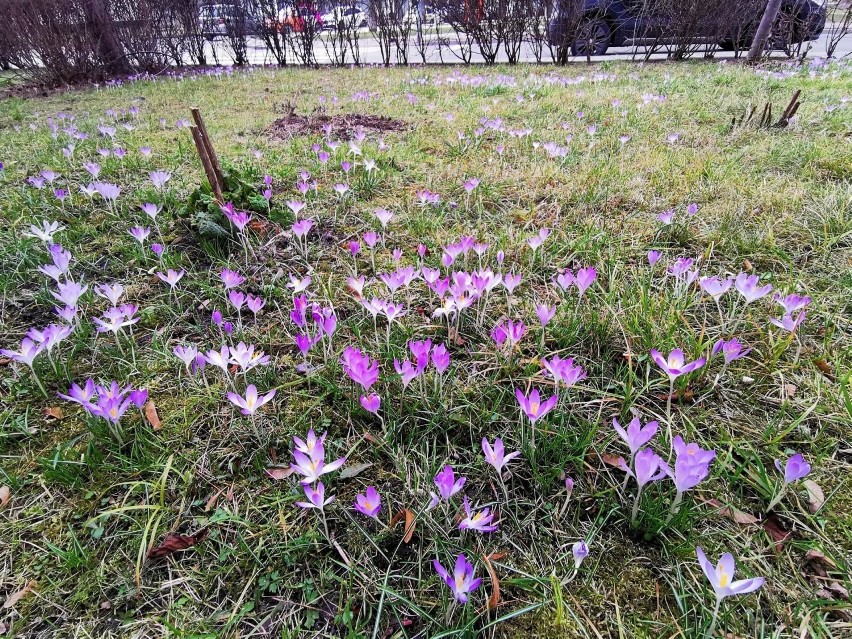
401	326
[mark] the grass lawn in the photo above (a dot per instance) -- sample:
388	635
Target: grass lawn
594	155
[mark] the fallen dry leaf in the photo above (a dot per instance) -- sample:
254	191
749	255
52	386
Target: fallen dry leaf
5	495
175	542
610	460
734	514
455	338
776	532
494	599
408	516
353	471
747	266
15	597
825	368
212	501
816	498
818	557
53	412
409	526
279	473
371	438
151	415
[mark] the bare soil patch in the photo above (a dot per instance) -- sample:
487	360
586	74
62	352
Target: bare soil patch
343	125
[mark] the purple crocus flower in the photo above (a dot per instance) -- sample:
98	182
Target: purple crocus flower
565	279
69	292
511	282
420	351
792	303
171	277
371	403
157	249
220	358
140	233
563	371
159	179
675	365
237	299
479	521
545	313
384	216
313	467
470	184
462	582
654	257
45	232
537	240
138	397
316	497
666	217
29	350
584	278
370	503
312	446
749	288
80	395
252	401
406	371
692	465
795	468
788	322
732	349
302	227
580	550
359	367
440	358
721	577
231	279
532	406
648	467
636	435
254	304
715	287
447	483
496	455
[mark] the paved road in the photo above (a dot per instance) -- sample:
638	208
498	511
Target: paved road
448	51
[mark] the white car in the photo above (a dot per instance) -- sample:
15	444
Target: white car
343	17
430	16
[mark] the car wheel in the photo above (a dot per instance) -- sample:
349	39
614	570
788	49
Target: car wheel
593	37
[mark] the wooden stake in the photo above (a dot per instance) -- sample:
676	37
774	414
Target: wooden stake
208	144
205	162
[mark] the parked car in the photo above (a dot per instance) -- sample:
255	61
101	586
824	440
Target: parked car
430	14
298	19
217	20
613	23
342	17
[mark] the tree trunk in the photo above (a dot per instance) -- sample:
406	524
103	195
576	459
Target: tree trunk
107	45
763	30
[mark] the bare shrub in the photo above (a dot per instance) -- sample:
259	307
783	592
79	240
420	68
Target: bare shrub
270	28
50	40
301	28
391	26
343	34
839	24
